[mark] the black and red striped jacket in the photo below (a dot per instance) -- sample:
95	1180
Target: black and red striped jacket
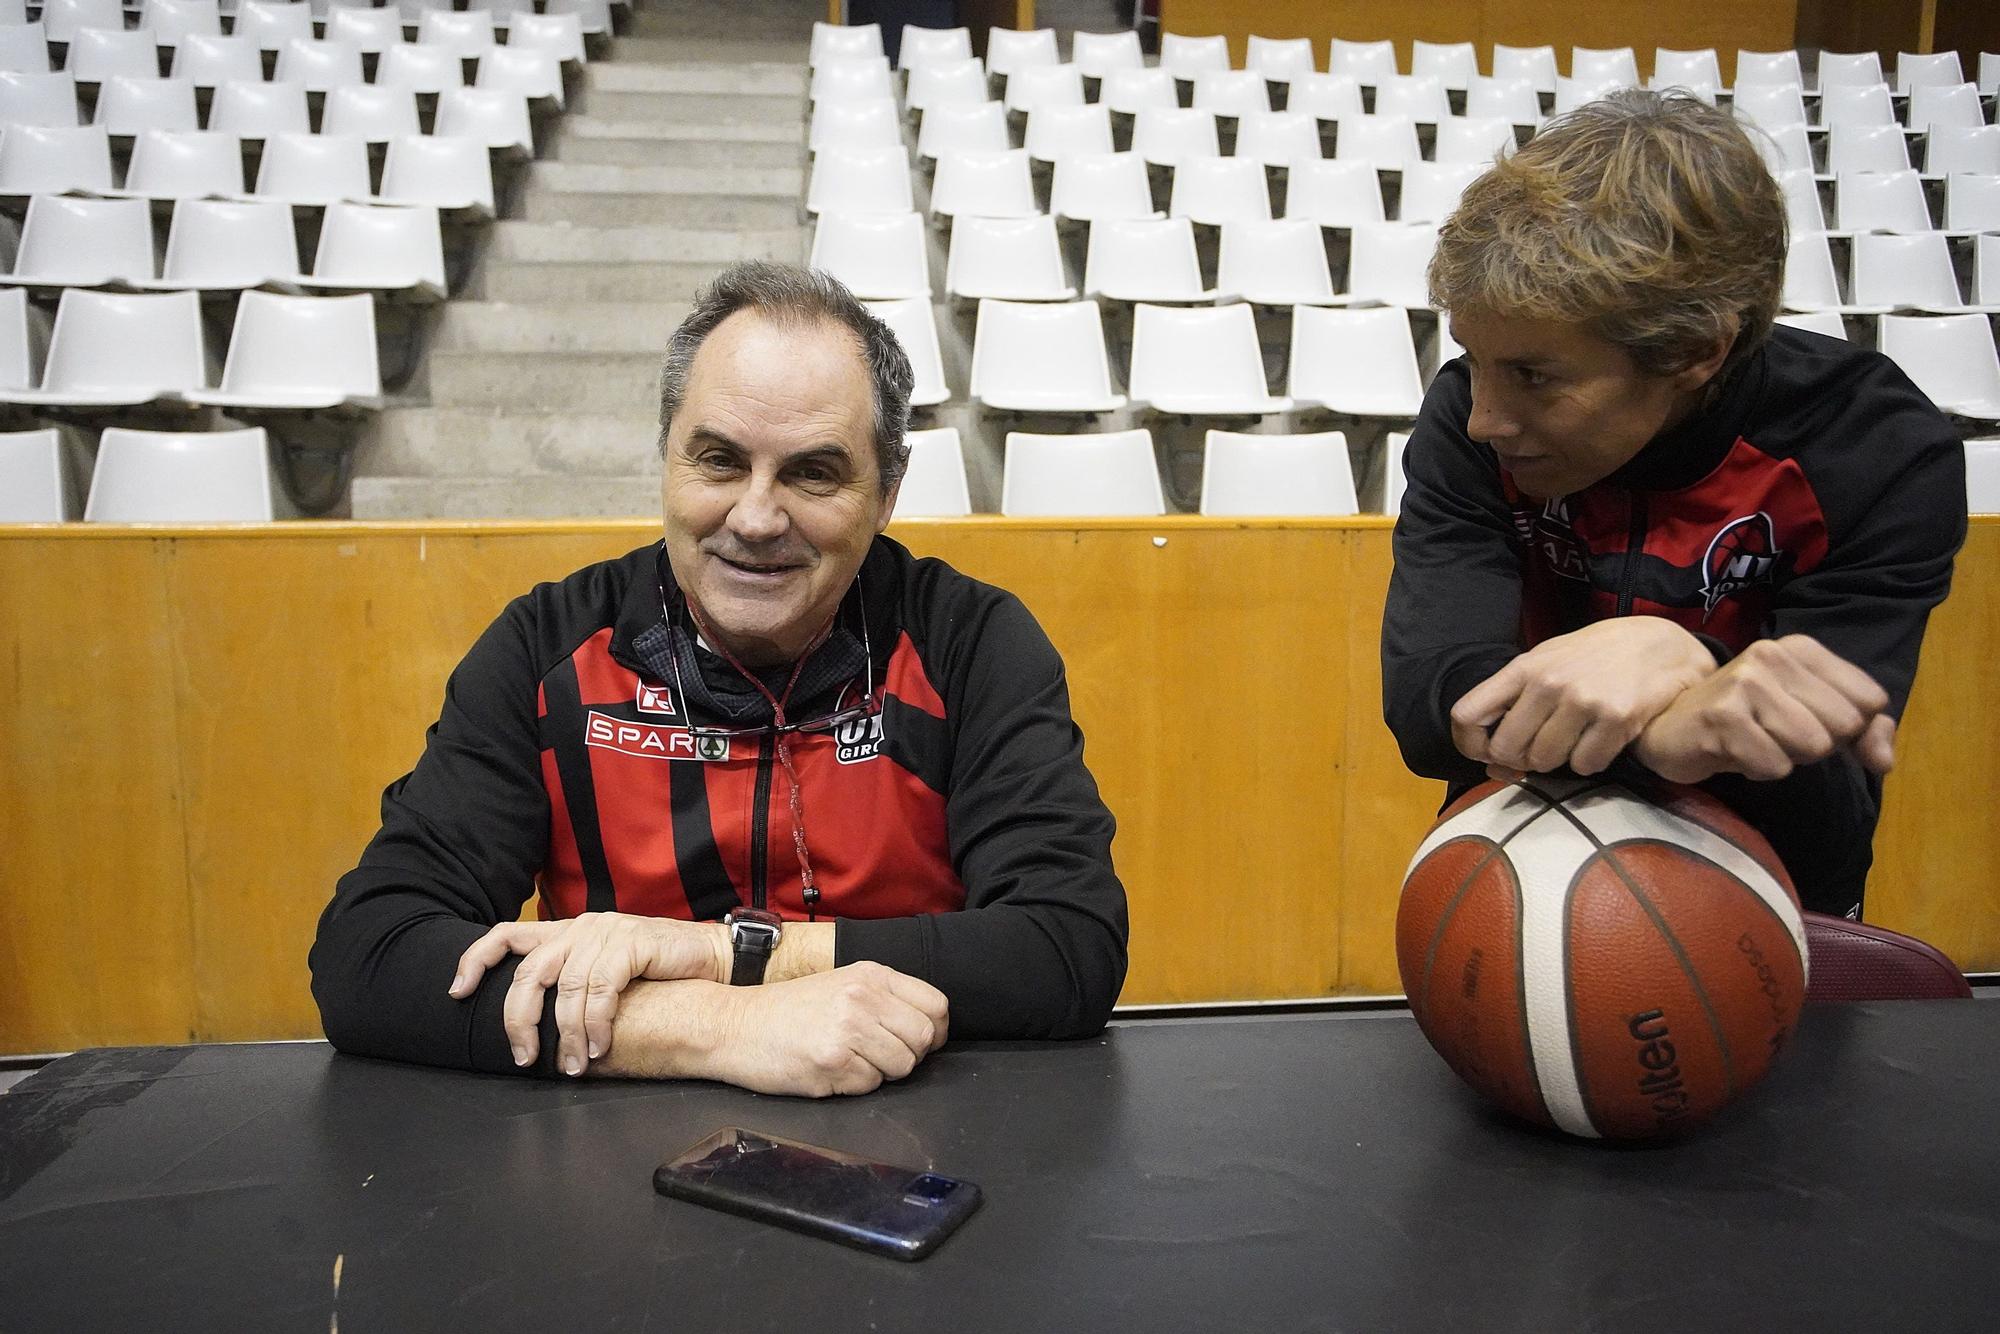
1820	493
954	832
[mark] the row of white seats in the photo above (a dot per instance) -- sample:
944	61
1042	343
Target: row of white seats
225	476
1889	272
1929	106
495	117
1306	475
1283	60
318	67
114	350
310	169
144	476
1274	262
1168	134
1159	134
94	54
141	477
1051	357
220	246
1194	361
1118	185
1894	201
1224	92
171	20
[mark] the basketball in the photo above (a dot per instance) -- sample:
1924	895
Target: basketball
1612	966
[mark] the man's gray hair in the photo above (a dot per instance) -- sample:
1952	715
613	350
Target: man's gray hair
790	294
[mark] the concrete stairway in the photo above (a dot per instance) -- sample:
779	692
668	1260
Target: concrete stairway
539	398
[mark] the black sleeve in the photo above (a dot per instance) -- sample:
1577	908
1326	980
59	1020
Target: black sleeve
1040	950
1893	492
1453	613
463	836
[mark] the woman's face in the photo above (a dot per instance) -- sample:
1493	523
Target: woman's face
1562	408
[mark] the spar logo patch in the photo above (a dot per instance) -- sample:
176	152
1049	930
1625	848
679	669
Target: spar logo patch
858	739
655	699
1742	554
651	741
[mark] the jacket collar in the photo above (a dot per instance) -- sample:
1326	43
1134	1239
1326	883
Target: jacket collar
653	630
1684	454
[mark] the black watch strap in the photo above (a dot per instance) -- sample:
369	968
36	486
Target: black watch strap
753	938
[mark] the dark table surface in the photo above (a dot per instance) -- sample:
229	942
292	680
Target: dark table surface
1319	1172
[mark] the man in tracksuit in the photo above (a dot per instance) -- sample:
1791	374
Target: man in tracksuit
1645	527
796	802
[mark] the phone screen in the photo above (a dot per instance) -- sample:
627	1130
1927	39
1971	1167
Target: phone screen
896	1211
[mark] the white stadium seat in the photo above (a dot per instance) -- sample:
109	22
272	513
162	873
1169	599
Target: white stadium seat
252	109
879	256
1278	263
299	353
1277	475
1199	361
977	127
181	477
1098	54
1092	187
1360	363
116	350
69	242
932	46
1215	190
1042	357
388	250
1010	259
934	484
1951	358
915	327
228	245
1009	51
985	185
31	477
1056	476
1146	259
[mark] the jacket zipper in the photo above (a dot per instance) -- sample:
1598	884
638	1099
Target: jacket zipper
760	821
1635	544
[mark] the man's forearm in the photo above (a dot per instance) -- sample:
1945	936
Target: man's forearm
805	948
667	1030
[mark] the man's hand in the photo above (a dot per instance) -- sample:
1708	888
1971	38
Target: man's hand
1781	703
845	1031
589	960
1579	699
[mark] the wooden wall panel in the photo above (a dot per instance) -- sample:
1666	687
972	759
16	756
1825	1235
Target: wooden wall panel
1723	24
1937	853
1211	698
195	728
94	892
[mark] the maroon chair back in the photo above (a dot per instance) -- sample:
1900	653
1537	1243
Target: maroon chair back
1853	961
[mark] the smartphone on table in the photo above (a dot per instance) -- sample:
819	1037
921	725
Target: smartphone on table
900	1212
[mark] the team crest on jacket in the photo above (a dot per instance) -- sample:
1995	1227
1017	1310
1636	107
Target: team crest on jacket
1744	552
1551	534
655	699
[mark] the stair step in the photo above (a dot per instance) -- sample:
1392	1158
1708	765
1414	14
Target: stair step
769	79
568	325
593	178
554	241
708	155
716	108
589	211
488	443
525	497
538	284
612	382
596	127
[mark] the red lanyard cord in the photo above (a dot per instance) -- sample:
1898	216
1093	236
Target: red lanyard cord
781	739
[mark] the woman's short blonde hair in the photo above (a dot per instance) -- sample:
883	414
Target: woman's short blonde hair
1649	217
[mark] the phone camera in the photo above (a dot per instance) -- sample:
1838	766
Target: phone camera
929	1188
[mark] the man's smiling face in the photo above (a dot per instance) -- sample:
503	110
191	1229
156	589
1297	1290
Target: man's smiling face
772	493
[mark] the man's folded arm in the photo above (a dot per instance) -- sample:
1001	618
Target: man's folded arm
1452	618
462	837
1040	951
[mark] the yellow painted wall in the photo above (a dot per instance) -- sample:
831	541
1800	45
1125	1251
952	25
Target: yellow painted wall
195	727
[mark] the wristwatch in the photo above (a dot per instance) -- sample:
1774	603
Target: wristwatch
753	937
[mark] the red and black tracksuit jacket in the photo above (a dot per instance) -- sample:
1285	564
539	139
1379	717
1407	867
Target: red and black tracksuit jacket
1820	493
953	830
